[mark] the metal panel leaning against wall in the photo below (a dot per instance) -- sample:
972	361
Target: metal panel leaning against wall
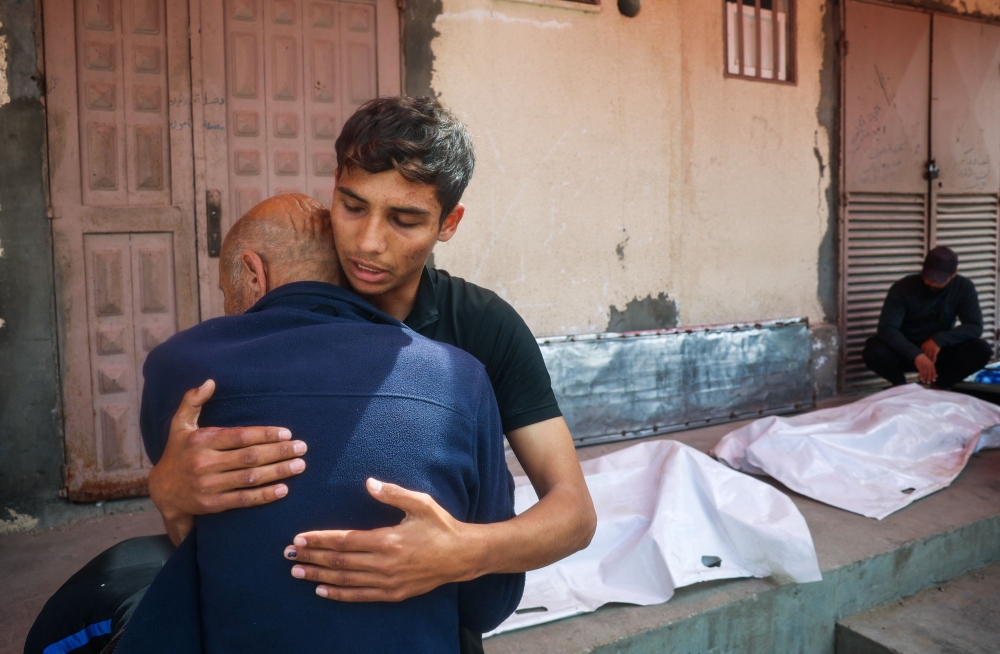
614	387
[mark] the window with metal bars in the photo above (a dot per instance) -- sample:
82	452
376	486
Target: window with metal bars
760	31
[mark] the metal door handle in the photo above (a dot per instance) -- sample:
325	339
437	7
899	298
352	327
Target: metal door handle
213	205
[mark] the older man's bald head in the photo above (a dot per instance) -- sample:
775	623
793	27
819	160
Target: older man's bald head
286	238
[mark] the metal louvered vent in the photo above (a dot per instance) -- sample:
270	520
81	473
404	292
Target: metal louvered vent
886	239
968	225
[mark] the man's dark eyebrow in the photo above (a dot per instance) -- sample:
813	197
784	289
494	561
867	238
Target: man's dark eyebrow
417	211
351	194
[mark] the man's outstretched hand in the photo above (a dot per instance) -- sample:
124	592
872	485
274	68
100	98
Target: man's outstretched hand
427	549
208	470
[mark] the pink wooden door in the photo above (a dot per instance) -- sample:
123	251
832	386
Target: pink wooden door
275	80
921	159
965	145
886	75
123	220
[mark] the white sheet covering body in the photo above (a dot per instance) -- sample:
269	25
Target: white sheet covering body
873	456
661	507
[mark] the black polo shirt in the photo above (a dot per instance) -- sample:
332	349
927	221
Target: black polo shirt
453	311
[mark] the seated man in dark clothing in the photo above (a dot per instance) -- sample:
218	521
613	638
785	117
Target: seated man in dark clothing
917	332
374	402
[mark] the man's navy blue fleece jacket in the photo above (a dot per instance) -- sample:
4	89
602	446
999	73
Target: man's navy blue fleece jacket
371	398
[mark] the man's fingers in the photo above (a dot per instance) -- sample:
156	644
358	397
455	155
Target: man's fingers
333	559
251	477
409	501
234	438
345	540
259	455
346	578
249	497
348	594
187	414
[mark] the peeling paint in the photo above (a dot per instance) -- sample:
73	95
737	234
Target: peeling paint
660	312
4	91
828	185
18	523
487	15
418	34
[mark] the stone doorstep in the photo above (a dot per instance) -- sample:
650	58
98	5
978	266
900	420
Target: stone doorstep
865	563
961	615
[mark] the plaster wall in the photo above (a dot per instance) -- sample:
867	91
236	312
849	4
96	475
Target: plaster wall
30	436
616	164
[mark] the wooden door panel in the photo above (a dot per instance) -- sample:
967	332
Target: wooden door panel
965	143
246	103
283	77
885	233
324	111
294	70
120	163
101	102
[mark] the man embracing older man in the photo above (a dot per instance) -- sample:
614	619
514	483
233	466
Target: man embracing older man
403	164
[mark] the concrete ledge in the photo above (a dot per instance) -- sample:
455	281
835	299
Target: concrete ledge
962	615
865	563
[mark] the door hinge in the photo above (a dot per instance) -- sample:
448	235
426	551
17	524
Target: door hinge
51	212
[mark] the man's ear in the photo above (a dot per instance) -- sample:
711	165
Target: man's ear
450	223
254	274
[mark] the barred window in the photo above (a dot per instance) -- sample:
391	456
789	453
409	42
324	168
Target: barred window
766	34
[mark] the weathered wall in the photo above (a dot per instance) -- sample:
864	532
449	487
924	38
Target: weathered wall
988	9
30	441
617	164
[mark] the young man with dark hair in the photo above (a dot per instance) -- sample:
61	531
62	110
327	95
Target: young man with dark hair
403	164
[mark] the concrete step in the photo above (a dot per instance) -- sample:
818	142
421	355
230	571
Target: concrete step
866	563
958	616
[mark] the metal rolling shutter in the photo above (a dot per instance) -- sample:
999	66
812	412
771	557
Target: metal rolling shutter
886	238
968	225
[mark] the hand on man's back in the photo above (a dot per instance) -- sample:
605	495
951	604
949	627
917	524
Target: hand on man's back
213	469
427	549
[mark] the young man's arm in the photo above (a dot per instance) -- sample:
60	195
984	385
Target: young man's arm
207	470
430	548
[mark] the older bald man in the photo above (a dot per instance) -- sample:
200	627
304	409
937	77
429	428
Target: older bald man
376	404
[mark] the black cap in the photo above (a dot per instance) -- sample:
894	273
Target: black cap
939	265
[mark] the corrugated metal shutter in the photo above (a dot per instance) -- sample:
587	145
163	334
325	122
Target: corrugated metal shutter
968	225
886	238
